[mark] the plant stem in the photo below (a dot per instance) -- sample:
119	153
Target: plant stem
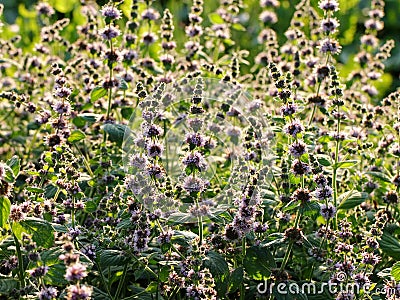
110	88
121	282
286	257
103	279
20	262
201	230
334	177
289	249
242	288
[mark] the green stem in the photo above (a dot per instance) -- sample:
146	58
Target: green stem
110	89
85	162
286	257
121	282
73	213
334	177
242	287
289	249
103	279
20	262
201	230
312	115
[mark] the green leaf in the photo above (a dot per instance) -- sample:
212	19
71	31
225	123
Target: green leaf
325	139
310	208
379	175
324	160
345	164
76	136
15	165
152	287
50	191
216	263
110	258
91	118
127	112
164	273
180	218
41	231
55	275
97	93
33	126
258	262
5	206
351	199
218	267
215	18
90	206
35	190
116	132
236	279
239	27
123	85
7	285
63	6
396	271
390	245
79	122
8	174
126	8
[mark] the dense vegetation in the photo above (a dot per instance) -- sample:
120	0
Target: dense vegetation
217	150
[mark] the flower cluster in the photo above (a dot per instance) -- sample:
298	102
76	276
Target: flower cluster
191	149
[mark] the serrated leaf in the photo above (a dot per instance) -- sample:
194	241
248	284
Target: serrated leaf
41	231
127	112
390	245
180	218
345	164
50	191
396	271
216	263
236	279
8	174
76	136
97	93
258	262
351	199
324	160
310	208
7	285
325	139
79	122
5	206
15	165
385	273
116	132
90	206
109	258
379	175
123	85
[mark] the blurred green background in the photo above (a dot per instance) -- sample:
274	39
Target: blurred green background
352	16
